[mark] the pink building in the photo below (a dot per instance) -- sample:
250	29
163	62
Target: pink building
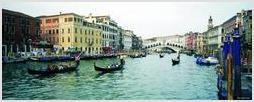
49	29
190	40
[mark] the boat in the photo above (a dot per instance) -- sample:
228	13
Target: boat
65	58
161	55
34	58
189	54
110	68
53	69
175	61
136	56
207	61
47	58
143	55
8	60
197	55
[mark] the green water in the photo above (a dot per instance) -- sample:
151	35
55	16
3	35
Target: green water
145	78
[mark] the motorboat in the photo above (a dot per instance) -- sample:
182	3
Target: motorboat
207	61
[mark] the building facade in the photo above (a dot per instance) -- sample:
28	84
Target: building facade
72	33
247	38
49	29
190	41
200	43
127	40
214	40
19	32
247	26
111	35
136	43
121	34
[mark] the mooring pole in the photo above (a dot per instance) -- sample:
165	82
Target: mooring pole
236	48
229	76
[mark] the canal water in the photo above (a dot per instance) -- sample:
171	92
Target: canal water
144	78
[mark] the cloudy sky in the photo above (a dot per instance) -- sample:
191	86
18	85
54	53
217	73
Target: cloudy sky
146	19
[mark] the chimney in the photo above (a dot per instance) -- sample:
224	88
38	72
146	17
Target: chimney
60	13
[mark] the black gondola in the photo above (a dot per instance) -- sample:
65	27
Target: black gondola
161	56
135	56
143	55
175	61
52	69
111	68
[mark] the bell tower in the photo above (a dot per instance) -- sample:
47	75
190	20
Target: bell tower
210	23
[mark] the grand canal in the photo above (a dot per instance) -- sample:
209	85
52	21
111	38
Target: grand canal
149	77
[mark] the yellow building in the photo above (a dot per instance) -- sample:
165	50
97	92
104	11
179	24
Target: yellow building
76	34
200	43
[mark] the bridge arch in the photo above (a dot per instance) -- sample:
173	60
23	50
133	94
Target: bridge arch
173	46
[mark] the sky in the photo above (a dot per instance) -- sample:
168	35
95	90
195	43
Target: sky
146	19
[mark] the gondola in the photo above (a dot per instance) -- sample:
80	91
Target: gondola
111	68
143	55
161	56
175	61
52	69
135	56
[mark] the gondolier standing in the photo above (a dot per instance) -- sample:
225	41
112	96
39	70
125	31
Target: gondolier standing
77	58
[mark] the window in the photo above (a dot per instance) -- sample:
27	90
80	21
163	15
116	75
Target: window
75	19
80	39
55	20
53	31
57	39
80	31
48	20
62	31
49	31
62	39
54	39
69	40
70	19
65	19
92	32
75	39
56	31
69	30
76	30
85	32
